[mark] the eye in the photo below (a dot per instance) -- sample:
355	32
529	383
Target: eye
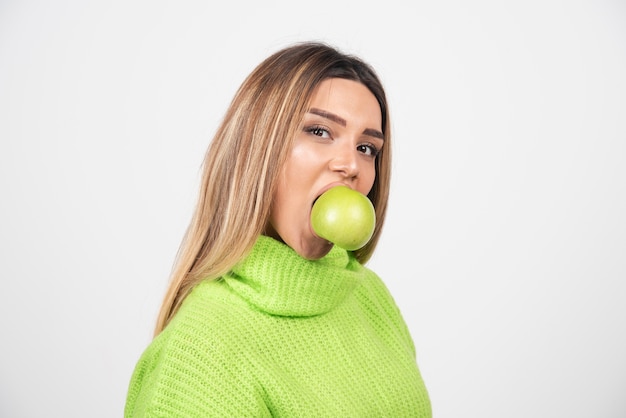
318	130
368	149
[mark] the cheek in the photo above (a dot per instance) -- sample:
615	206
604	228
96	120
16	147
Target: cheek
303	166
289	187
367	180
303	154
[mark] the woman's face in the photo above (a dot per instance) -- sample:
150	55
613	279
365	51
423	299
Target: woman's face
339	139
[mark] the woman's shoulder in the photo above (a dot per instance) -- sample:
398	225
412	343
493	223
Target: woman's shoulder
205	332
199	354
377	299
375	287
210	315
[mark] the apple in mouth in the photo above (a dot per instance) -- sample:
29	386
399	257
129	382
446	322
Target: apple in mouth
344	217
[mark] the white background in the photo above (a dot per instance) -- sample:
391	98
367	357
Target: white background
506	242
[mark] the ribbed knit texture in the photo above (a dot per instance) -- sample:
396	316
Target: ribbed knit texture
282	336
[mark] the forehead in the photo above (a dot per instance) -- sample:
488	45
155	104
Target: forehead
349	99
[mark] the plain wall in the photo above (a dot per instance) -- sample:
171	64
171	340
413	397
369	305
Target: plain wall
505	245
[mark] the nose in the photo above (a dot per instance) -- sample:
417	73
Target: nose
345	161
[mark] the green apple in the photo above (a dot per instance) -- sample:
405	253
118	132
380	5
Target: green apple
344	217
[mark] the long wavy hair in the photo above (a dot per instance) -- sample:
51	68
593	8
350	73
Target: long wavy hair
243	161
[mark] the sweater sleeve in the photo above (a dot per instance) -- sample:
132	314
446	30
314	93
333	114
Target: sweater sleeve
184	374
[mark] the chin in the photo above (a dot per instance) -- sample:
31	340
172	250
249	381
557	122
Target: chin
315	252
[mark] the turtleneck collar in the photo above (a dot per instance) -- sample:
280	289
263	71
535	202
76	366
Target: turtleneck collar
276	280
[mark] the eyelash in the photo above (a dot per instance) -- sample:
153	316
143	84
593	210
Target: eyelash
315	129
373	149
312	130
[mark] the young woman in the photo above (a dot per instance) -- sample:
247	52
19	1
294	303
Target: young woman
263	317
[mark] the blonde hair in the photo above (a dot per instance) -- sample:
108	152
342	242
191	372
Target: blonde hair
246	154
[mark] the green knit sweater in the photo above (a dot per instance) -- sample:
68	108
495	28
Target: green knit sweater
282	336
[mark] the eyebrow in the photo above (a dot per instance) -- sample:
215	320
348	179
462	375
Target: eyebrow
338	119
